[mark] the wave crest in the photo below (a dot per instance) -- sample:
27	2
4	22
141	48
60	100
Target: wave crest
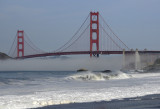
98	76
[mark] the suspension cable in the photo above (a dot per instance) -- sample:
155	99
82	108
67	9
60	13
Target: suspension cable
40	50
77	38
110	37
113	32
12	44
73	35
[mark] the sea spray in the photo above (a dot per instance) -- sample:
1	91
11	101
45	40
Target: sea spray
98	76
137	60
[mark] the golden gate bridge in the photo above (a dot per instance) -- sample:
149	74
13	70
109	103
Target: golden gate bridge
94	37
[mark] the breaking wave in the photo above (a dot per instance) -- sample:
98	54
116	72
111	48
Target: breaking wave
98	76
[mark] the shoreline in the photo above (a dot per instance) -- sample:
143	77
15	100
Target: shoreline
143	102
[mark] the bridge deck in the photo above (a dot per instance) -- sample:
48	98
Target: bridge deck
85	52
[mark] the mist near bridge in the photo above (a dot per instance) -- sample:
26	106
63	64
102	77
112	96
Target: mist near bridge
63	63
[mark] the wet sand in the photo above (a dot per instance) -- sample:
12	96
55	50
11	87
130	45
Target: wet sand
145	102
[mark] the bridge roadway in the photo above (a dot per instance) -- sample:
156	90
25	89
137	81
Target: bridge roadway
85	52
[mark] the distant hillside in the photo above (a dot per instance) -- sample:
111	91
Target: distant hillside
4	56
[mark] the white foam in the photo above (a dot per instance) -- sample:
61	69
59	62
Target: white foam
98	76
139	85
143	75
87	75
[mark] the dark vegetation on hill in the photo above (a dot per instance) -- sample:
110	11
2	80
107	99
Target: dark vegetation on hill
4	56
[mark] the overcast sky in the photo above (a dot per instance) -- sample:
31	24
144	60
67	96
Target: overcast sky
51	23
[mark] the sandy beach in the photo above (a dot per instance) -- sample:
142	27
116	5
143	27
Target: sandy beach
144	102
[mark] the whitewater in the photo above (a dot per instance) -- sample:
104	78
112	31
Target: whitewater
31	89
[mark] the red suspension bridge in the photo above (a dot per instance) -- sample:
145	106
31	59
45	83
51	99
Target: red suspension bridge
94	37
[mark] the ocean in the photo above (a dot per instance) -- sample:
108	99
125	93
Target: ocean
32	89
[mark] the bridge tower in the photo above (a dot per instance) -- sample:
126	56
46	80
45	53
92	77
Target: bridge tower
94	33
20	43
